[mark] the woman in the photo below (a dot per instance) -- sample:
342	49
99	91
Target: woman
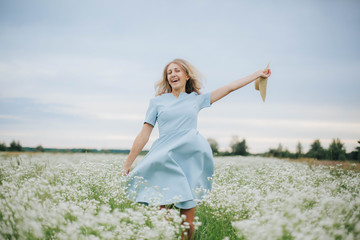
179	166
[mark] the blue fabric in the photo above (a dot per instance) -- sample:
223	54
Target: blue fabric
179	166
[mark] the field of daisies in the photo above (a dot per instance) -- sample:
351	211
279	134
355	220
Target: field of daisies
81	196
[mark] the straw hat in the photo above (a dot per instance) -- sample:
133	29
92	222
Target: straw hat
261	83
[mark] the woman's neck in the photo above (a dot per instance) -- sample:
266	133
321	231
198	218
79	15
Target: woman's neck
177	92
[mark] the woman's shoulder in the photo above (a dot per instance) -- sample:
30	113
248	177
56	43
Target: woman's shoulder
200	93
159	98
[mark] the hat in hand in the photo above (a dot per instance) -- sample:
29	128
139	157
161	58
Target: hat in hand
261	83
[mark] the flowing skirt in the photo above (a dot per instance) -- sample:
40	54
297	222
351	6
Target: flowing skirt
177	170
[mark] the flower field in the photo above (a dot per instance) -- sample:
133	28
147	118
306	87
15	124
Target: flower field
81	196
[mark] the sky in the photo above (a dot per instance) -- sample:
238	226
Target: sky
81	73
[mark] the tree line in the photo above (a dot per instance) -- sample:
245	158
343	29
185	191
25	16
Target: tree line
335	151
15	146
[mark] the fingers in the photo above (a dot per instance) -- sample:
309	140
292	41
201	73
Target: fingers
267	73
125	172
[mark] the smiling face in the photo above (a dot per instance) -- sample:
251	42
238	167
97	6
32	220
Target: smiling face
176	77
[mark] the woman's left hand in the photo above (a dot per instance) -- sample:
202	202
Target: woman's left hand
264	73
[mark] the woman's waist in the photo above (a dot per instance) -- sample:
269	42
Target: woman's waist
176	132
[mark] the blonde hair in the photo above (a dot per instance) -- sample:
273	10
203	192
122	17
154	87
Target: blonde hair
192	85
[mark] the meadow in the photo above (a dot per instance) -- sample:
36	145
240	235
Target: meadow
81	196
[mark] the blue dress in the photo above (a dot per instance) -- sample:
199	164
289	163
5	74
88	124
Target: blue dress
179	166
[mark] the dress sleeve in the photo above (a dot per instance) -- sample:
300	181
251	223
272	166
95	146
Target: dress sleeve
151	113
204	100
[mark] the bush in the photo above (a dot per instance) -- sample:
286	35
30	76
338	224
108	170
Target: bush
39	149
337	150
15	147
239	148
214	145
316	151
3	147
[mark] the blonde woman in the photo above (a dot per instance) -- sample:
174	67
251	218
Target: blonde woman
177	170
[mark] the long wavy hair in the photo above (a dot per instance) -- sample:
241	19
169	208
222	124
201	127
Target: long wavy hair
192	85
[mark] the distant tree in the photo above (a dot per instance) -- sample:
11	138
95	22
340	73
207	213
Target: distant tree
316	150
270	153
39	149
214	145
287	154
299	150
3	147
274	152
354	155
15	146
337	150
85	150
279	152
239	148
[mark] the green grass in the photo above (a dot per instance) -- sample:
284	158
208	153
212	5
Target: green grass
214	225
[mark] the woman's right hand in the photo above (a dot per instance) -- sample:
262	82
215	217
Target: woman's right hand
125	170
141	139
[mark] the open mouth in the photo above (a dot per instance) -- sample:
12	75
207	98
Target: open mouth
174	80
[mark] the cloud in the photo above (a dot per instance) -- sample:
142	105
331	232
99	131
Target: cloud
74	74
267	125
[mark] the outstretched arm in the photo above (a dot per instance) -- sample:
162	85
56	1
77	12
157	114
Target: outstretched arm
138	145
225	90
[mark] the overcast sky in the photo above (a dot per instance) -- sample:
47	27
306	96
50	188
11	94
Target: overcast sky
81	73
